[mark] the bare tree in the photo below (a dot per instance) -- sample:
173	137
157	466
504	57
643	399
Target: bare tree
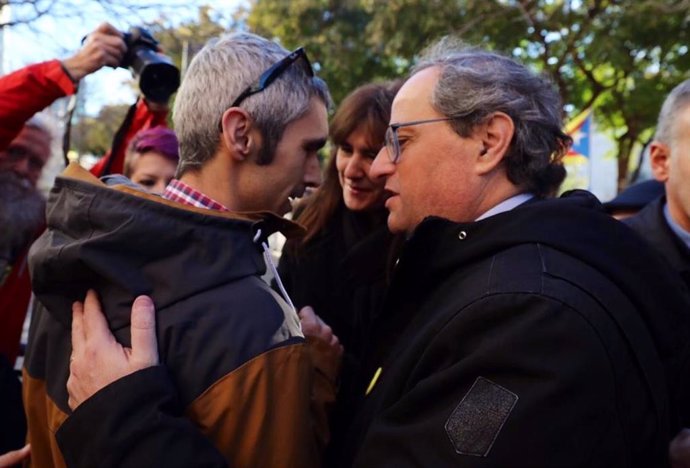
26	12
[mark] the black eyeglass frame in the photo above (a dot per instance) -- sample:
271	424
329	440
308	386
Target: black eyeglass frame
274	71
391	137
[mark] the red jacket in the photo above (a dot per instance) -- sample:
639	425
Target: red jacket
144	118
22	94
27	91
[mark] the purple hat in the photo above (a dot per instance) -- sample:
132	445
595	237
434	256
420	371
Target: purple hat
159	139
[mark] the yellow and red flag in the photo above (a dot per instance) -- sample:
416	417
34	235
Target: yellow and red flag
577	161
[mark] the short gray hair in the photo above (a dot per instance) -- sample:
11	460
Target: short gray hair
216	77
475	83
675	102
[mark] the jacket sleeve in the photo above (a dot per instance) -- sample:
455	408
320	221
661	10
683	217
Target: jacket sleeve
144	118
134	422
507	381
27	91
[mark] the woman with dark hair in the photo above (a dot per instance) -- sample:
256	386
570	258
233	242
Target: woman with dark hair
339	266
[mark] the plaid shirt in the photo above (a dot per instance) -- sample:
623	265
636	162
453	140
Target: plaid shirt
180	192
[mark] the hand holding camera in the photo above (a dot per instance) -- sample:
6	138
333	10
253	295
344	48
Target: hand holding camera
104	46
137	50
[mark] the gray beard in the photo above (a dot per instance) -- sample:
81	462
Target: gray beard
22	212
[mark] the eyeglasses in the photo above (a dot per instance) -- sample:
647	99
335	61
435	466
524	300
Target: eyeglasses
277	69
392	143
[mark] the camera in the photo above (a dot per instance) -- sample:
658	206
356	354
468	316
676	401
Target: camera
158	77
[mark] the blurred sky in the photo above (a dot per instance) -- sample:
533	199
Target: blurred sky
59	33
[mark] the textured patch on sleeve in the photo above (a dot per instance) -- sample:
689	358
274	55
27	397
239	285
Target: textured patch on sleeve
476	422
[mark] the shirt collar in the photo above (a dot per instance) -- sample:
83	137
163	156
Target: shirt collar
507	205
180	192
682	234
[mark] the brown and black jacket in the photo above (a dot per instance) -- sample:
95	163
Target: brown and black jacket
232	348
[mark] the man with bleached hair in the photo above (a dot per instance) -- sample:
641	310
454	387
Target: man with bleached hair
236	371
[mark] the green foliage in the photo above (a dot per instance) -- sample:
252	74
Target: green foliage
183	41
94	135
333	34
619	56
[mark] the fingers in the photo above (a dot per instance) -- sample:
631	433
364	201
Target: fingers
679	450
71	389
95	326
14	457
78	336
308	319
336	346
100	50
108	28
144	342
313	326
104	46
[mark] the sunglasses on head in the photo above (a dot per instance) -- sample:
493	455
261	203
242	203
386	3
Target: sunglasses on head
274	71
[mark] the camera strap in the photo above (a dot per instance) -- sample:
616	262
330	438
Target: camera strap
71	105
119	138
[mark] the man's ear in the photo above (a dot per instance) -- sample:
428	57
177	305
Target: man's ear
238	133
660	160
494	137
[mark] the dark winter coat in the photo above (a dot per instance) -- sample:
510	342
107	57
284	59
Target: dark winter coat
342	274
549	335
232	348
650	223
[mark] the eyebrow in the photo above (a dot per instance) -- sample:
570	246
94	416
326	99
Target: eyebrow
314	145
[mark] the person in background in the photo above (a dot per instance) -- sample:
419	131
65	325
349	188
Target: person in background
339	267
25	147
33	88
635	197
152	158
665	223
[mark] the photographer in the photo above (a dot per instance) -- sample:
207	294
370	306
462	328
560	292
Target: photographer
32	88
25	147
158	79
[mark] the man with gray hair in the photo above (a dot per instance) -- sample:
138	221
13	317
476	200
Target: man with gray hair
521	331
665	223
250	118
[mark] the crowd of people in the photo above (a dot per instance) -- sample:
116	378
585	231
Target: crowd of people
435	303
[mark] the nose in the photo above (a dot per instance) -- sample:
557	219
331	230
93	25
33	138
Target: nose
355	167
382	167
21	167
159	188
312	171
